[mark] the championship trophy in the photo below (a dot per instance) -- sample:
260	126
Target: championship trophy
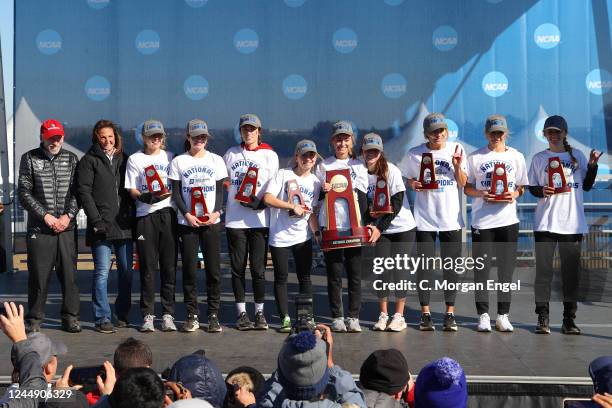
155	183
499	182
427	176
198	205
248	186
295	197
341	193
381	203
556	176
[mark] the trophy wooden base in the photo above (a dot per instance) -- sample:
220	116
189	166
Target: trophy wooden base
354	237
242	199
430	186
204	218
562	190
381	212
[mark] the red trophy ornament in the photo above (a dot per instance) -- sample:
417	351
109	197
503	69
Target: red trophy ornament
343	229
294	196
198	205
381	202
556	176
248	186
427	175
499	182
154	182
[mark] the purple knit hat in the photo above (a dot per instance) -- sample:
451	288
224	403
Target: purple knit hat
441	384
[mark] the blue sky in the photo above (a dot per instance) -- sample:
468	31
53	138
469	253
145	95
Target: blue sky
6	34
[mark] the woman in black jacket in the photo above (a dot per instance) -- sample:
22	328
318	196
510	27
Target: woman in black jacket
110	214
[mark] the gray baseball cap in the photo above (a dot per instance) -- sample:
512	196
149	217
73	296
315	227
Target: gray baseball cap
153	127
44	346
496	123
197	127
372	141
305	146
342	127
434	121
249	119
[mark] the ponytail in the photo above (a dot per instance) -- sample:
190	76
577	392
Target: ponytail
187	145
569	149
381	168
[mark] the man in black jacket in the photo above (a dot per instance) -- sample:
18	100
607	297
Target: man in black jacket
46	176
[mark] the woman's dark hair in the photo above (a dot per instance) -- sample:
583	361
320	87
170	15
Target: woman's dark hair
569	149
104	123
381	168
138	387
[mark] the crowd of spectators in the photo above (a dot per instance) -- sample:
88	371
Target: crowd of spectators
306	377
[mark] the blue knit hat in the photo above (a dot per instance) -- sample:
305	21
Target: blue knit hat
302	366
441	384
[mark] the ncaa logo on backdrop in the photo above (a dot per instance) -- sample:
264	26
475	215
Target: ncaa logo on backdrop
196	87
97	88
97	4
295	87
49	42
344	40
453	130
246	41
393	85
495	84
537	130
445	38
196	3
295	3
547	36
147	42
599	81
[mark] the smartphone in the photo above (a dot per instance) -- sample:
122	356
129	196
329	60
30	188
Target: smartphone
579	403
86	375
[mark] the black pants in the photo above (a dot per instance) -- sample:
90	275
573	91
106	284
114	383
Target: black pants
45	252
156	245
335	261
388	246
251	243
569	251
206	238
302	255
450	247
502	242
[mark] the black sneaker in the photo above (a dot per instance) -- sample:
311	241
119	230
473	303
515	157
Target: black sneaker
105	327
243	322
449	322
569	327
213	324
71	326
543	326
260	321
426	324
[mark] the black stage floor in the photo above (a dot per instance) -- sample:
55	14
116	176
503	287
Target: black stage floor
521	353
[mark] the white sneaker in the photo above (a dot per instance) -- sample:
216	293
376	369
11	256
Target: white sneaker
168	323
502	323
381	324
397	323
484	323
338	325
352	325
147	324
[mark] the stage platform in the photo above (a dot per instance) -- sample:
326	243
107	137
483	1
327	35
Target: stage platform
494	355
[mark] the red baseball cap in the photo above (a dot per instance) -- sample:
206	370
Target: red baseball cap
50	128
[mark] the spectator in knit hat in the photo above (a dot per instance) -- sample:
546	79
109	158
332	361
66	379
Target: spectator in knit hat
306	376
441	384
201	377
384	378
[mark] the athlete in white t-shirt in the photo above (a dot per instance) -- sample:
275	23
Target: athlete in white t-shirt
155	223
342	141
293	224
559	219
247	225
396	230
197	188
437	212
495	225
